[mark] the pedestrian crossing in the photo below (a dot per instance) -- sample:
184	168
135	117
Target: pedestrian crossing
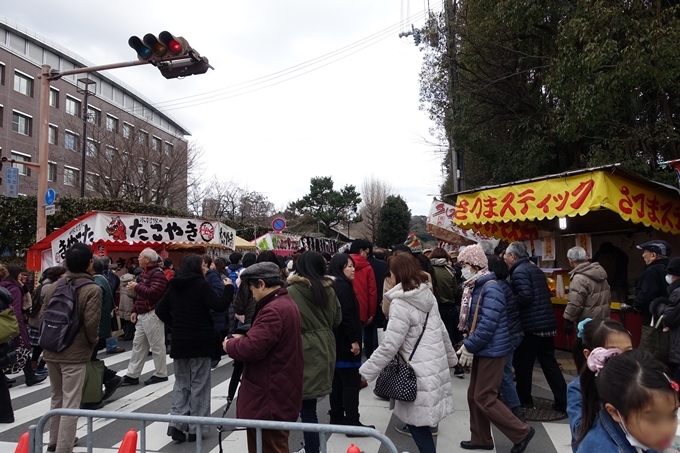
30	403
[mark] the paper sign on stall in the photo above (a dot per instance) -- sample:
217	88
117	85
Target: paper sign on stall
585	241
548	248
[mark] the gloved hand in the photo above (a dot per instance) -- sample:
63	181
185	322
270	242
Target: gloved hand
465	357
568	327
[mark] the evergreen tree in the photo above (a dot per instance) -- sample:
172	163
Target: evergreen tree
395	221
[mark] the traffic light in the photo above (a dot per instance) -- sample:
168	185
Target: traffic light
164	48
184	67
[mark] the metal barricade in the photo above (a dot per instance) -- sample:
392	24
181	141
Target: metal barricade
36	431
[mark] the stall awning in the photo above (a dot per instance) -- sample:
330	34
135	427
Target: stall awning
570	194
242	244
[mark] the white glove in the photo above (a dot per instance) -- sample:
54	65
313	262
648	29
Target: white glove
465	357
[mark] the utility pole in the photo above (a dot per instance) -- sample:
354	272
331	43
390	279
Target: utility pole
86	117
457	167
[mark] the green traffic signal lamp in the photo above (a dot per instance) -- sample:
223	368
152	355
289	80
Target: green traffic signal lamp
144	53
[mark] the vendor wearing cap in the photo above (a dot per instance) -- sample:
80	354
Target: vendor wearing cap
652	283
271	384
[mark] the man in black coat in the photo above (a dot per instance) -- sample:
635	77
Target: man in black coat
652	282
540	327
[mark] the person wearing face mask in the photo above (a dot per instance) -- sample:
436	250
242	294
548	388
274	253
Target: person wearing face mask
669	308
486	350
640	418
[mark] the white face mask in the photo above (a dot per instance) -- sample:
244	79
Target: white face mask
669	279
631	440
467	273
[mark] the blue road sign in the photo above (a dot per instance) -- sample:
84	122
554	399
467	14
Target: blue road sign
49	196
278	224
11	182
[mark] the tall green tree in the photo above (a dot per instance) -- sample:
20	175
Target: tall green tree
327	206
523	89
395	221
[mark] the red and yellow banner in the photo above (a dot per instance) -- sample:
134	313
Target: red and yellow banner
566	197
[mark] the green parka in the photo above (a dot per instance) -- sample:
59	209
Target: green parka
318	342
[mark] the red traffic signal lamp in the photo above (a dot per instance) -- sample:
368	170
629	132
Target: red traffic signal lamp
177	46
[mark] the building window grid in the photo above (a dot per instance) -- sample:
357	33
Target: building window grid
112	124
23	169
143	138
72	106
71	141
2	71
53	134
94	115
156	144
71	176
51	171
128	130
54	98
23	84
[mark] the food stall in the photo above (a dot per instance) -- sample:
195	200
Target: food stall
122	236
590	208
244	246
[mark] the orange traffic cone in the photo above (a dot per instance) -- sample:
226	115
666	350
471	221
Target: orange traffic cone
353	449
22	446
129	444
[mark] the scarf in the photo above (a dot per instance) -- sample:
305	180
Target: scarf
468	288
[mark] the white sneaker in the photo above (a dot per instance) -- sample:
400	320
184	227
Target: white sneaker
302	450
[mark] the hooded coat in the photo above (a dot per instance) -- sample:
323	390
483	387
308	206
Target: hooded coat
318	342
365	287
589	294
431	361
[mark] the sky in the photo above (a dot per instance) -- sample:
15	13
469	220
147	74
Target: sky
352	115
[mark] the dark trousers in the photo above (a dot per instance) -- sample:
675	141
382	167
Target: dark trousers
308	415
345	396
423	438
542	348
449	314
6	412
370	339
273	441
485	407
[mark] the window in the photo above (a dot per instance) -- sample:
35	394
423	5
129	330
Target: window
1	115
72	106
91	181
156	169
94	116
23	84
53	134
141	166
70	141
128	130
21	123
2	71
143	138
168	149
156	144
54	98
71	176
23	169
110	152
112	124
91	148
51	171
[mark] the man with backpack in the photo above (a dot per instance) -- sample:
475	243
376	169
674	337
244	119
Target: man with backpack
68	347
149	330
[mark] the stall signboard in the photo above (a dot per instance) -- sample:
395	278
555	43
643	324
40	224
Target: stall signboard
567	197
140	228
278	241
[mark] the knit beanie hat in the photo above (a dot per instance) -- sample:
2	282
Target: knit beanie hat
474	256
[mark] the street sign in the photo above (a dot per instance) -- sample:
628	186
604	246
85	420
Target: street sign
11	182
50	209
49	196
278	224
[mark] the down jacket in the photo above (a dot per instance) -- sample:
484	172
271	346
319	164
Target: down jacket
670	309
589	294
150	289
318	342
271	383
89	306
491	337
126	302
219	318
17	293
652	284
365	287
533	297
514	324
349	331
431	361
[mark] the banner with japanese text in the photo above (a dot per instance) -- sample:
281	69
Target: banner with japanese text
278	241
139	228
567	197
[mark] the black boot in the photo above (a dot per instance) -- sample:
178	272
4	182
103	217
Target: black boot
31	378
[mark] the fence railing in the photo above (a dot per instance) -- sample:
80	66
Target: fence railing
36	432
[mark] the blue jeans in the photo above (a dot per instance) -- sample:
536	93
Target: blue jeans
423	438
508	389
111	343
308	415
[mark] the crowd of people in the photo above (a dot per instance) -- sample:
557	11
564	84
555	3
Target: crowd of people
313	325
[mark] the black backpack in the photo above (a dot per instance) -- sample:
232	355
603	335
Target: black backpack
60	322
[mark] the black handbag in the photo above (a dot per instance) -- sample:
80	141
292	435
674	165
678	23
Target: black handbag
655	341
398	380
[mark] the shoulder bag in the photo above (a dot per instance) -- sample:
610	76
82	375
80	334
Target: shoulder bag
474	319
398	380
9	327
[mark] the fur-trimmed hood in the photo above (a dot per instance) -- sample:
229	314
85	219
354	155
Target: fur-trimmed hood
420	297
295	278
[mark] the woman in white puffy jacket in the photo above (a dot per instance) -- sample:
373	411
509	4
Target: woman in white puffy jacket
411	301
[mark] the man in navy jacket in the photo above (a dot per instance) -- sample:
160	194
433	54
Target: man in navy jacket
540	327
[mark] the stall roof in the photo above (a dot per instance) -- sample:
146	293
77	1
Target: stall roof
242	244
571	194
